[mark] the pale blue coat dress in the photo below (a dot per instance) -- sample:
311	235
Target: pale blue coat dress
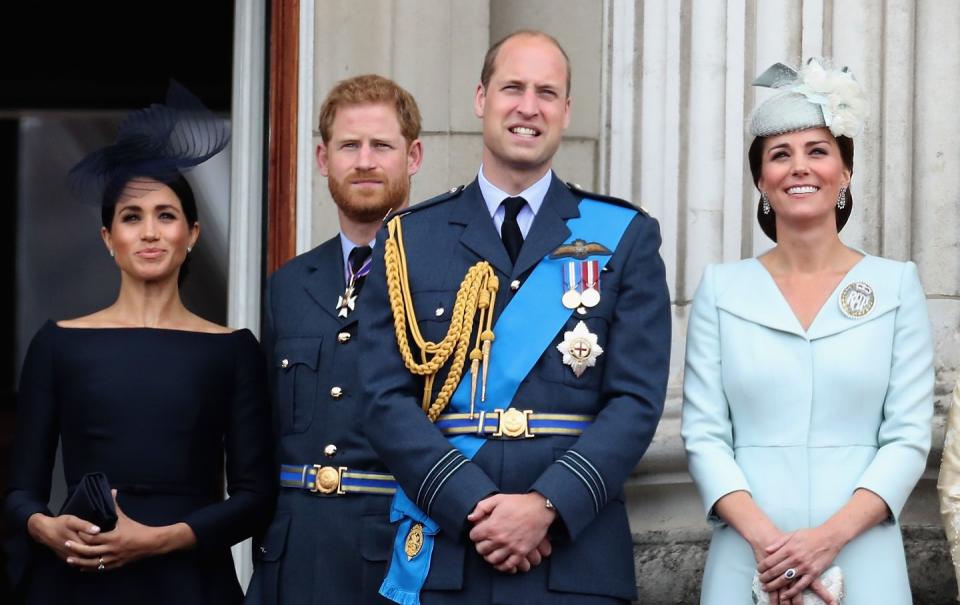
802	419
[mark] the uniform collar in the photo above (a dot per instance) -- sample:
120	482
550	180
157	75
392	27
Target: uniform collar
493	196
347	246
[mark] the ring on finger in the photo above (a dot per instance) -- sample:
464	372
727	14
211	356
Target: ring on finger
790	573
101	566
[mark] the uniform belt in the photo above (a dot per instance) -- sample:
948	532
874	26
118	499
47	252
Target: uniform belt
512	424
336	480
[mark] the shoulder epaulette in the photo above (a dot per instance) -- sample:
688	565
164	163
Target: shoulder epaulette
604	198
446	195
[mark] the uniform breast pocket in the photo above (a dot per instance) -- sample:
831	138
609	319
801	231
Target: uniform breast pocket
577	355
296	362
434	309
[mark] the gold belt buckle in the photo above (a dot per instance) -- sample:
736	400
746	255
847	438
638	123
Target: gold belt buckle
328	479
513	423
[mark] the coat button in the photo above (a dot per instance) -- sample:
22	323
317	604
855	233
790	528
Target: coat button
336	392
343	337
330	450
515	285
285	363
263	550
438	312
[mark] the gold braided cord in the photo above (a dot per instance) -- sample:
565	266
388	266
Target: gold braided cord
477	294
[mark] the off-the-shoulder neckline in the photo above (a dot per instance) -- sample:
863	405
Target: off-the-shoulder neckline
143	328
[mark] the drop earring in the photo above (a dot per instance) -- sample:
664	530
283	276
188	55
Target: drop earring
764	202
189	249
112	253
842	199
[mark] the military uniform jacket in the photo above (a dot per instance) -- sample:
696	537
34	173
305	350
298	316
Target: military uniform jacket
318	549
592	560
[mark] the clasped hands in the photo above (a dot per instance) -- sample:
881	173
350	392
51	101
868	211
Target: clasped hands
83	546
807	551
510	530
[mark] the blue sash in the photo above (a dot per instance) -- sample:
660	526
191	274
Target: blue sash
524	330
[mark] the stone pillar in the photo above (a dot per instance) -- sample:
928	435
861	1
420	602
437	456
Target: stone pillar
434	49
692	98
688	97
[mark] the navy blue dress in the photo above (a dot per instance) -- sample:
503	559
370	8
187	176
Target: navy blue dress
158	411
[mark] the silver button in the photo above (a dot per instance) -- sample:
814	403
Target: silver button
285	363
330	450
336	392
515	285
438	312
453	189
343	337
263	550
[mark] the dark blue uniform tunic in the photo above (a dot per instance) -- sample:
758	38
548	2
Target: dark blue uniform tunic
592	560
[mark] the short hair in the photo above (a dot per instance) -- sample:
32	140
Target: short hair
371	88
489	61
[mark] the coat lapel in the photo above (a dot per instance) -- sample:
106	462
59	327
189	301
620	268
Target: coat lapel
324	280
549	228
872	271
479	234
753	295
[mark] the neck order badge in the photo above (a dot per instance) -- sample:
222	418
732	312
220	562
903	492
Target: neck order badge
359	265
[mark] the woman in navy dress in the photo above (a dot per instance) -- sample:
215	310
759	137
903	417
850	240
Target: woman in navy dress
146	392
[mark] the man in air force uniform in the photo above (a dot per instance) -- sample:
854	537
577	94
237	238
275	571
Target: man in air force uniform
536	316
330	537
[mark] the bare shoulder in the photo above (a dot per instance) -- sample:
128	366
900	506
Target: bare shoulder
199	324
99	319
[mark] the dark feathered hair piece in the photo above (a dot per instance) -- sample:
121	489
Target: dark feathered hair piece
154	144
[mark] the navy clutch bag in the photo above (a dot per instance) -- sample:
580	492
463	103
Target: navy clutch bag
93	502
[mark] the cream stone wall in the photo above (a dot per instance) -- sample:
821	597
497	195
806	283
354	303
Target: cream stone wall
660	95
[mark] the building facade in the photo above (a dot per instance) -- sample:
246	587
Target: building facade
660	97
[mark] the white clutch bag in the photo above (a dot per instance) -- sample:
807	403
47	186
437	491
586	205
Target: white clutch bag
832	579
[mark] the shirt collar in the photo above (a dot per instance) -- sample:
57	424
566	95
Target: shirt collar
347	247
493	196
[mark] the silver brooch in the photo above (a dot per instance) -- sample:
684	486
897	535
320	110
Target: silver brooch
857	300
580	349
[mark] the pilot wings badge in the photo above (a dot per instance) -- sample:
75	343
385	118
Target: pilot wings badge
580	249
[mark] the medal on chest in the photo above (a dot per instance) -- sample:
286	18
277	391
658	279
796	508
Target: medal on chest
581	285
857	300
580	349
347	302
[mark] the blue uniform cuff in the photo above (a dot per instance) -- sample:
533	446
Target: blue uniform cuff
575	504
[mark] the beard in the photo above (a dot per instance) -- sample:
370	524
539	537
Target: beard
368	206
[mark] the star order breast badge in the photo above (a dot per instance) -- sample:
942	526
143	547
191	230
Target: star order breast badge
580	349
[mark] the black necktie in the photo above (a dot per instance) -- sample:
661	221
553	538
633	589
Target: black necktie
510	230
358	257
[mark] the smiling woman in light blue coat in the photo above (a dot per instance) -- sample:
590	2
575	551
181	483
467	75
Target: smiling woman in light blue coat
808	391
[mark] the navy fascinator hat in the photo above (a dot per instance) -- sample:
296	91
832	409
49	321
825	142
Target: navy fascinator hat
155	144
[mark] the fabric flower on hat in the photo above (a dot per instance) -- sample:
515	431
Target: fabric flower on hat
839	95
